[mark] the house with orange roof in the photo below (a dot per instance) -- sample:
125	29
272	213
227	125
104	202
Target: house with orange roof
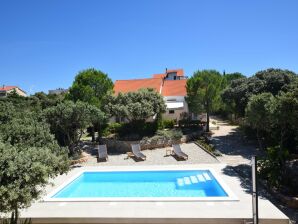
171	85
5	90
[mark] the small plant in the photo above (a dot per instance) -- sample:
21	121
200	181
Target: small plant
272	166
209	147
169	123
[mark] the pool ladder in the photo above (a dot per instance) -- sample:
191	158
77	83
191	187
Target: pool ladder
195	179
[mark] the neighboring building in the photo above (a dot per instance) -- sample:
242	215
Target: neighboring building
5	90
171	85
58	91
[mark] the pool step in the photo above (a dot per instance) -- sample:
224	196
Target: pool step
191	180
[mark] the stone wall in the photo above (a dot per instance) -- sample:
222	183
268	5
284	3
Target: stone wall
118	146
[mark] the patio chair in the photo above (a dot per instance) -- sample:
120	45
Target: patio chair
136	152
178	152
102	153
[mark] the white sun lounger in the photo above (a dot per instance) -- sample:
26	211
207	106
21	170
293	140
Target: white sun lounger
178	152
102	152
136	150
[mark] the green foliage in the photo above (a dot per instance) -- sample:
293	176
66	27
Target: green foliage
237	94
24	171
173	134
258	113
112	128
136	130
284	118
272	166
90	86
29	155
167	123
210	148
275	79
135	106
203	92
68	121
47	100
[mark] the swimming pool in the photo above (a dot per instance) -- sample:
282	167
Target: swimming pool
142	185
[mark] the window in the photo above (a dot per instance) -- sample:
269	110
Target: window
171	111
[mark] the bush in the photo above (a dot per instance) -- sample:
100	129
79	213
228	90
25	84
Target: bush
189	123
210	148
112	128
273	165
131	131
168	123
174	135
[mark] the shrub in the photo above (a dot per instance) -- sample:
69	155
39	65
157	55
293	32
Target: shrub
131	131
174	135
272	166
209	147
168	123
189	123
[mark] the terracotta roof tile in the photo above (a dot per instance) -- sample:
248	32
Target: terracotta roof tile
132	85
7	88
174	88
158	76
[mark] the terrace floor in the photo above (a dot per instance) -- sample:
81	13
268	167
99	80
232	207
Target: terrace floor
155	157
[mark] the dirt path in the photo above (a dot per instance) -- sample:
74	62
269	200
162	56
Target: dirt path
236	153
230	142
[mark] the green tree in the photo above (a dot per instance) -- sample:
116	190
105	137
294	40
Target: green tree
229	77
275	79
237	94
29	156
24	171
135	106
203	92
258	114
284	113
48	100
90	86
68	120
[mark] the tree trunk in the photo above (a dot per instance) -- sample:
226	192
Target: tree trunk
208	119
259	139
14	216
93	133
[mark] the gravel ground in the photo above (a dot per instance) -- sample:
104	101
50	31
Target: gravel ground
196	155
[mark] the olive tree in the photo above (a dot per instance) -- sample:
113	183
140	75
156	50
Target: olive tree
68	120
29	156
135	106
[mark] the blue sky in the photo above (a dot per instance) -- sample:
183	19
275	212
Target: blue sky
43	44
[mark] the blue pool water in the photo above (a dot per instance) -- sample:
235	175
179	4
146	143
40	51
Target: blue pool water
176	183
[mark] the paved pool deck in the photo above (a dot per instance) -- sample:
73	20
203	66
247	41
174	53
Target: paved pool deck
157	211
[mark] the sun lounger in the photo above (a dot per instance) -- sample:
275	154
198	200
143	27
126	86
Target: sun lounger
102	152
178	152
136	152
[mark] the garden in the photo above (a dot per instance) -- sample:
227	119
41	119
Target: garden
41	134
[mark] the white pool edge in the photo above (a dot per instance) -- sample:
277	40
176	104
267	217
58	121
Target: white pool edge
231	196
